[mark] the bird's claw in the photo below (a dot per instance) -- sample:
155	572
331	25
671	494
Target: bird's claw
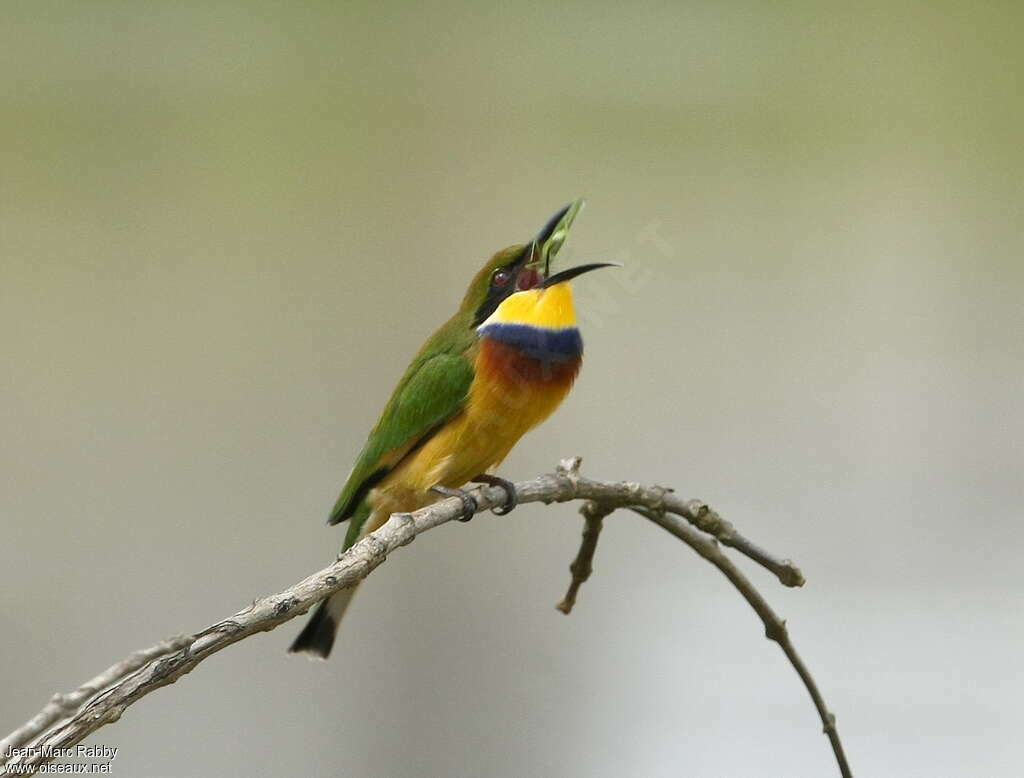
469	503
510	491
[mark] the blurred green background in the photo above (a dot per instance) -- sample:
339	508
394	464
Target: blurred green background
225	228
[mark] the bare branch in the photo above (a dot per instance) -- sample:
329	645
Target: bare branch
774	626
63	705
68	719
594	514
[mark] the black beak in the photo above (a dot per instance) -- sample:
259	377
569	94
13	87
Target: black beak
572	272
553	234
549	229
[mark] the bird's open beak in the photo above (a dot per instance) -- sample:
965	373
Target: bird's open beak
550	239
572	272
535	261
536	270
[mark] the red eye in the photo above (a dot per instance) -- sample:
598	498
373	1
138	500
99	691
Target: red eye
501	277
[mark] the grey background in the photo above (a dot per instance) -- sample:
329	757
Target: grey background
225	228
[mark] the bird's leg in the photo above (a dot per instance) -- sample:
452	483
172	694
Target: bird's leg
510	491
469	503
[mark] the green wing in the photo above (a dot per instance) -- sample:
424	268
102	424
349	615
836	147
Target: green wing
433	390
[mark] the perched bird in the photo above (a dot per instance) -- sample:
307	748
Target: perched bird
500	366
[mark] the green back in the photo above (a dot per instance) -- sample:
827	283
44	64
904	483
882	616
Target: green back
432	391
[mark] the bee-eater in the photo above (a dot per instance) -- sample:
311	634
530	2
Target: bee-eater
499	367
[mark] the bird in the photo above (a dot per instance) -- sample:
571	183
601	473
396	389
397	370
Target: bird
498	368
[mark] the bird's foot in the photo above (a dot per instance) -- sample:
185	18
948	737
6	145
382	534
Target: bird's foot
510	491
469	503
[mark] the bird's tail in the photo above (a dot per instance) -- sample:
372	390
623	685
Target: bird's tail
317	637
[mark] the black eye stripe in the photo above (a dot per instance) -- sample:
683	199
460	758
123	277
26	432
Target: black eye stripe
496	292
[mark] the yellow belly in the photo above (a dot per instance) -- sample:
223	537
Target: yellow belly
501	408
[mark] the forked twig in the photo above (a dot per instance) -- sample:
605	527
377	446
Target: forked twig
68	719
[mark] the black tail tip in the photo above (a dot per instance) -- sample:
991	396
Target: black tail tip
317	637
